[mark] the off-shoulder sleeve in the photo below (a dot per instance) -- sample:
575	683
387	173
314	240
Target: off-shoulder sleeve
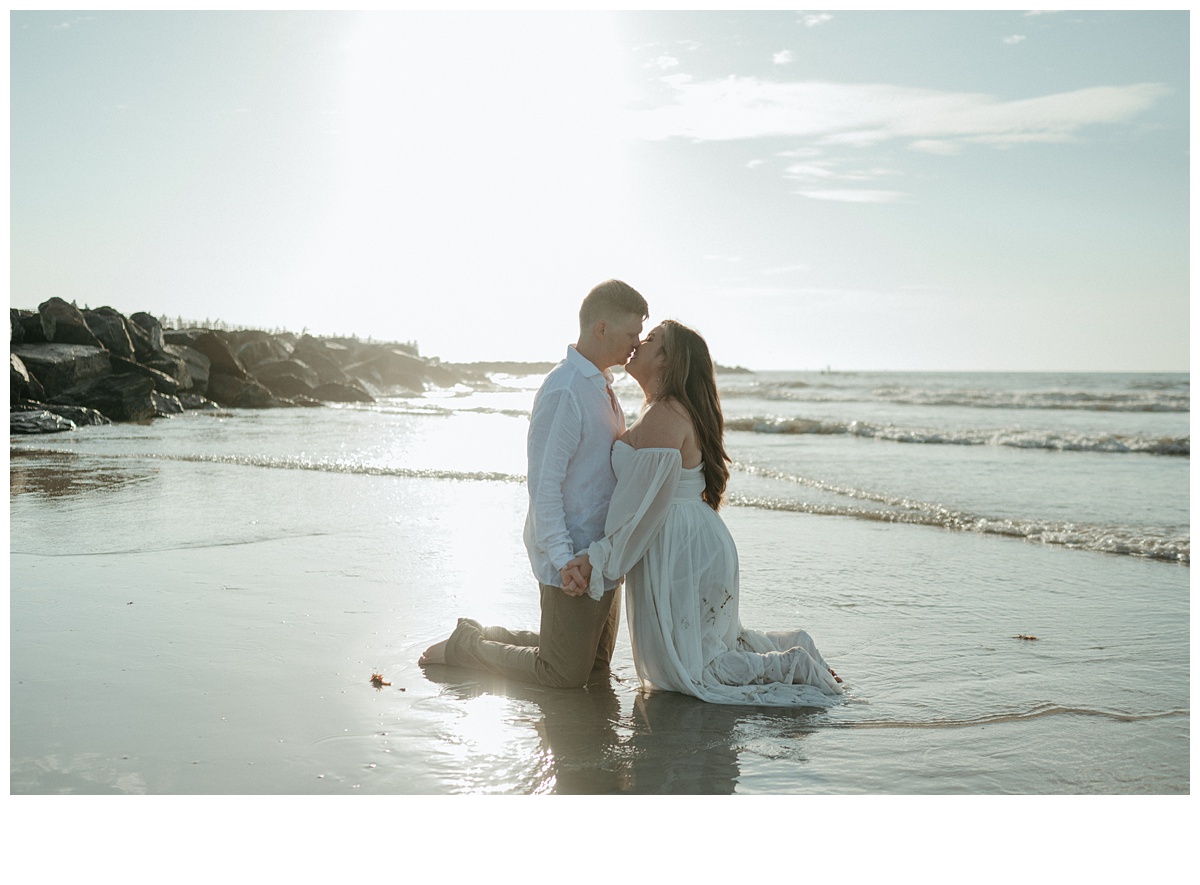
639	507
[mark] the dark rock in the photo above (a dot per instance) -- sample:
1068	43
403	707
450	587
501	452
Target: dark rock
63	323
238	393
341	393
256	348
166	405
389	367
118	397
286	369
288	387
109	328
80	416
184	337
62	366
16	331
143	346
193	401
195	363
396	367
31	327
152	328
314	354
21	384
170	365
38	422
220	356
163	382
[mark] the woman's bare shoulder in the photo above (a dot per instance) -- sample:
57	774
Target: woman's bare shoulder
664	424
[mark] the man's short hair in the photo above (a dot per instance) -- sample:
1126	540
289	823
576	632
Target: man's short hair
610	300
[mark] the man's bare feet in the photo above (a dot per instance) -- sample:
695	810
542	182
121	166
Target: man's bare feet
832	673
435	654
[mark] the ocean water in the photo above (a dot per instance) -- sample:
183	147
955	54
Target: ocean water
998	564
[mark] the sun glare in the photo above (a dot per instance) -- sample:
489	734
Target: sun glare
476	149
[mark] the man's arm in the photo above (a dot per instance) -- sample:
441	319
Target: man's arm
555	428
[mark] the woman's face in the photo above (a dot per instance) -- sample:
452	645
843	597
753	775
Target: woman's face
649	355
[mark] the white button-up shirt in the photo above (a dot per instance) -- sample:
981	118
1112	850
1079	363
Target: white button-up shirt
572	428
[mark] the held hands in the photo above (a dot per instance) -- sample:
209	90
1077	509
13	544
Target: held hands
576	575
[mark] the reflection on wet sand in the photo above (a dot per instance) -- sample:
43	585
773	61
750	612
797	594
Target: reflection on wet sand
683	746
67	475
660	743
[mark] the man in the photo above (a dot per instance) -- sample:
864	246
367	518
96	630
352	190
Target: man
575	421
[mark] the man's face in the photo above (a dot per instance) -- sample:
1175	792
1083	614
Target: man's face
621	338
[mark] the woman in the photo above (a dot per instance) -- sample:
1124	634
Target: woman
664	534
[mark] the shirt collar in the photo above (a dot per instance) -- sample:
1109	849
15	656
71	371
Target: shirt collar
586	367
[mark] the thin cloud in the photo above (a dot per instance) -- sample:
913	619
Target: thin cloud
812	20
1014	39
783	58
663	63
804	171
737	108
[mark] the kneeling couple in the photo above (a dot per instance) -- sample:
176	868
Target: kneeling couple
606	502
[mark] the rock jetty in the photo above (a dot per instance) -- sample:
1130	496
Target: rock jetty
72	367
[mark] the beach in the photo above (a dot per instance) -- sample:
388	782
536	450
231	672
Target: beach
198	606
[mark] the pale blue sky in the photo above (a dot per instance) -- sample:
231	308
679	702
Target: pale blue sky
864	190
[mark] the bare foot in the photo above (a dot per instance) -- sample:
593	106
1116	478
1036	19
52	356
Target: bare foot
435	654
836	678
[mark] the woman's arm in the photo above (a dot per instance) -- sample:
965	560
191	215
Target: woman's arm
638	509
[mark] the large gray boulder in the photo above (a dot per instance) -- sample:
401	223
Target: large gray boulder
239	393
110	329
62	366
341	393
21	384
221	358
31	328
196	364
152	328
391	368
286	370
171	365
163	382
254	348
117	397
80	416
63	323
166	405
37	422
325	360
192	400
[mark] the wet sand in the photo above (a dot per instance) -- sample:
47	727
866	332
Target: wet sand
227	647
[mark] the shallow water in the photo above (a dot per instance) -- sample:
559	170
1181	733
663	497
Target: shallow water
197	606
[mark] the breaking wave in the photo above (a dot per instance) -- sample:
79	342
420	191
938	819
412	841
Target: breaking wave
1125	540
1141	396
1021	439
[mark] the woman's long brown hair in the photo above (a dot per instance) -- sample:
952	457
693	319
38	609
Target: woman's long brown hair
688	377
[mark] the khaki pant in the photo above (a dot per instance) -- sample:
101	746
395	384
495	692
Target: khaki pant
577	635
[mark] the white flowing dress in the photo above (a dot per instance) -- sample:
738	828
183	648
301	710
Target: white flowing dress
681	577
